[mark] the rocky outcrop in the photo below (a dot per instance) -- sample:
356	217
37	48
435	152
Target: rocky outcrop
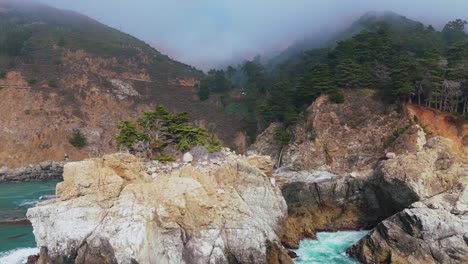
48	170
427	190
322	201
109	210
341	138
432	231
419	175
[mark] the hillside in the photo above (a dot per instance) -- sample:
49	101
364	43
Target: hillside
400	60
61	71
329	39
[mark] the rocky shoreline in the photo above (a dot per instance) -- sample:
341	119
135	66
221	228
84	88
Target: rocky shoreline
47	170
110	210
339	173
230	208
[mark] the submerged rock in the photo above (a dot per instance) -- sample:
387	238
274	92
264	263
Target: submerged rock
109	210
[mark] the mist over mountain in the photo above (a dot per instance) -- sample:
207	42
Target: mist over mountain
208	33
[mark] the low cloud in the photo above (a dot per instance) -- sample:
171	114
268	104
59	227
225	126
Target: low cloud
207	33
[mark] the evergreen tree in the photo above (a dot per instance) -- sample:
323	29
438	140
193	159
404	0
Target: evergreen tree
203	92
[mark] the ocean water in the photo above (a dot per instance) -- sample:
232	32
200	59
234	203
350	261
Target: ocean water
16	240
329	248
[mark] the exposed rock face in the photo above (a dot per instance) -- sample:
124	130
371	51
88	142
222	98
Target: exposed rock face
48	170
433	183
416	176
323	201
412	140
341	138
110	210
432	231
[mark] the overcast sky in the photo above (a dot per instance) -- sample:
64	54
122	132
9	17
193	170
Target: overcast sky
207	32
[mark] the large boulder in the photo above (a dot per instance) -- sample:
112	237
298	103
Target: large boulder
432	231
417	175
110	211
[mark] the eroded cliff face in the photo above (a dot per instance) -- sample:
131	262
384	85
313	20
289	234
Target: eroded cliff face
42	104
428	191
350	170
327	202
109	210
340	138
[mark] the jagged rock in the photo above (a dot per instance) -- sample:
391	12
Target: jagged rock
110	209
327	202
47	170
427	232
417	175
264	164
337	137
412	140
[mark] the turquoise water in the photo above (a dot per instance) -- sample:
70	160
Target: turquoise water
15	199
329	248
17	241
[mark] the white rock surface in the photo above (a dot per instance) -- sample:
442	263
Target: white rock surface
190	215
187	157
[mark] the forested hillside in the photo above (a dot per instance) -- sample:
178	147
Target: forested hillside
403	60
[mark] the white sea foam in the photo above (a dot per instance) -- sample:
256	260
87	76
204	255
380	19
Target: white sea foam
17	256
28	203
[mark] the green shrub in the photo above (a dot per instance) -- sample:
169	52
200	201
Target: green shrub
61	42
281	135
204	92
78	139
213	144
160	129
237	108
32	81
128	134
162	157
336	96
3	73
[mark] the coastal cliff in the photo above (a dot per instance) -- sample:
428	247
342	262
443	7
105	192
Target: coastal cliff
110	210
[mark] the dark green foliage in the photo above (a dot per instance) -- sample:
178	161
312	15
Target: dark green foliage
237	108
216	81
282	136
13	38
163	158
78	139
32	81
3	73
402	59
161	129
204	92
336	96
61	42
128	134
454	32
280	104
